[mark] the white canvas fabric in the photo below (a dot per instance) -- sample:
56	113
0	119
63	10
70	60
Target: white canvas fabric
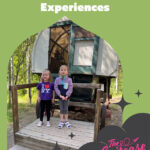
107	63
107	59
83	55
40	52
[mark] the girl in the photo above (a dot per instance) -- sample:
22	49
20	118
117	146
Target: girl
46	95
63	87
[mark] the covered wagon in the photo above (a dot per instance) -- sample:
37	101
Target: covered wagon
90	58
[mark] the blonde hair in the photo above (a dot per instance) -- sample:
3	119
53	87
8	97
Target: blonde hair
63	66
50	75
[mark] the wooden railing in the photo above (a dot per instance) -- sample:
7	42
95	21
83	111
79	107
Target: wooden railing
96	106
14	90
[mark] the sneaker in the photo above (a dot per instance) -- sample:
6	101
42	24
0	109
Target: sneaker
48	124
61	124
40	123
67	124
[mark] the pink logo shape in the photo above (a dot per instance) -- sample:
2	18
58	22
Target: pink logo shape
135	140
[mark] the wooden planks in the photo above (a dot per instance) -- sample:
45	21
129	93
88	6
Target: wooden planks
79	104
46	137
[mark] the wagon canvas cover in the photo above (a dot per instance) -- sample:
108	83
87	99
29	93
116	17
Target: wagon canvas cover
106	63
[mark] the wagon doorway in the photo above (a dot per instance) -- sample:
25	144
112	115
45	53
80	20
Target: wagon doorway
58	47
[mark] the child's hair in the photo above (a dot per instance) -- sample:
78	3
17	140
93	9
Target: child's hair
63	66
50	76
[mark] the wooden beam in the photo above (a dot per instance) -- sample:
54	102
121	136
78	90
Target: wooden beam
107	90
15	109
58	45
82	104
86	85
76	85
22	86
97	114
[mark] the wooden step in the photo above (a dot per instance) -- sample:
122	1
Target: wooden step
45	138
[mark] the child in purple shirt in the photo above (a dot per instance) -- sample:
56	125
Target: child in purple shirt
63	88
46	96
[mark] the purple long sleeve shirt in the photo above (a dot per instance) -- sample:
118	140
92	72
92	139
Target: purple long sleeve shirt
68	84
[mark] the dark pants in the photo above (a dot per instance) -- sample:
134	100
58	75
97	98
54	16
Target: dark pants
45	104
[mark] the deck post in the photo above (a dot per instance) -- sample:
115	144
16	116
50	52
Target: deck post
15	109
97	114
107	90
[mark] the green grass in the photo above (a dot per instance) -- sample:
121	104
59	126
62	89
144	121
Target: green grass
22	109
114	107
9	116
23	104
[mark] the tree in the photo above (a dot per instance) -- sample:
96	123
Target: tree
10	78
20	55
19	68
9	83
28	64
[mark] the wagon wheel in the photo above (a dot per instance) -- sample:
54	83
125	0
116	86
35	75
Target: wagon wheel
37	109
103	116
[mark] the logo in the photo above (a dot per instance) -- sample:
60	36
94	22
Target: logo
45	88
124	144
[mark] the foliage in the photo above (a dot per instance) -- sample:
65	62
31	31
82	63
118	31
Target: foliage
20	66
120	83
20	61
20	76
22	109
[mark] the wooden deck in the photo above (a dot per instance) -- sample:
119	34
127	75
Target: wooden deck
45	138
